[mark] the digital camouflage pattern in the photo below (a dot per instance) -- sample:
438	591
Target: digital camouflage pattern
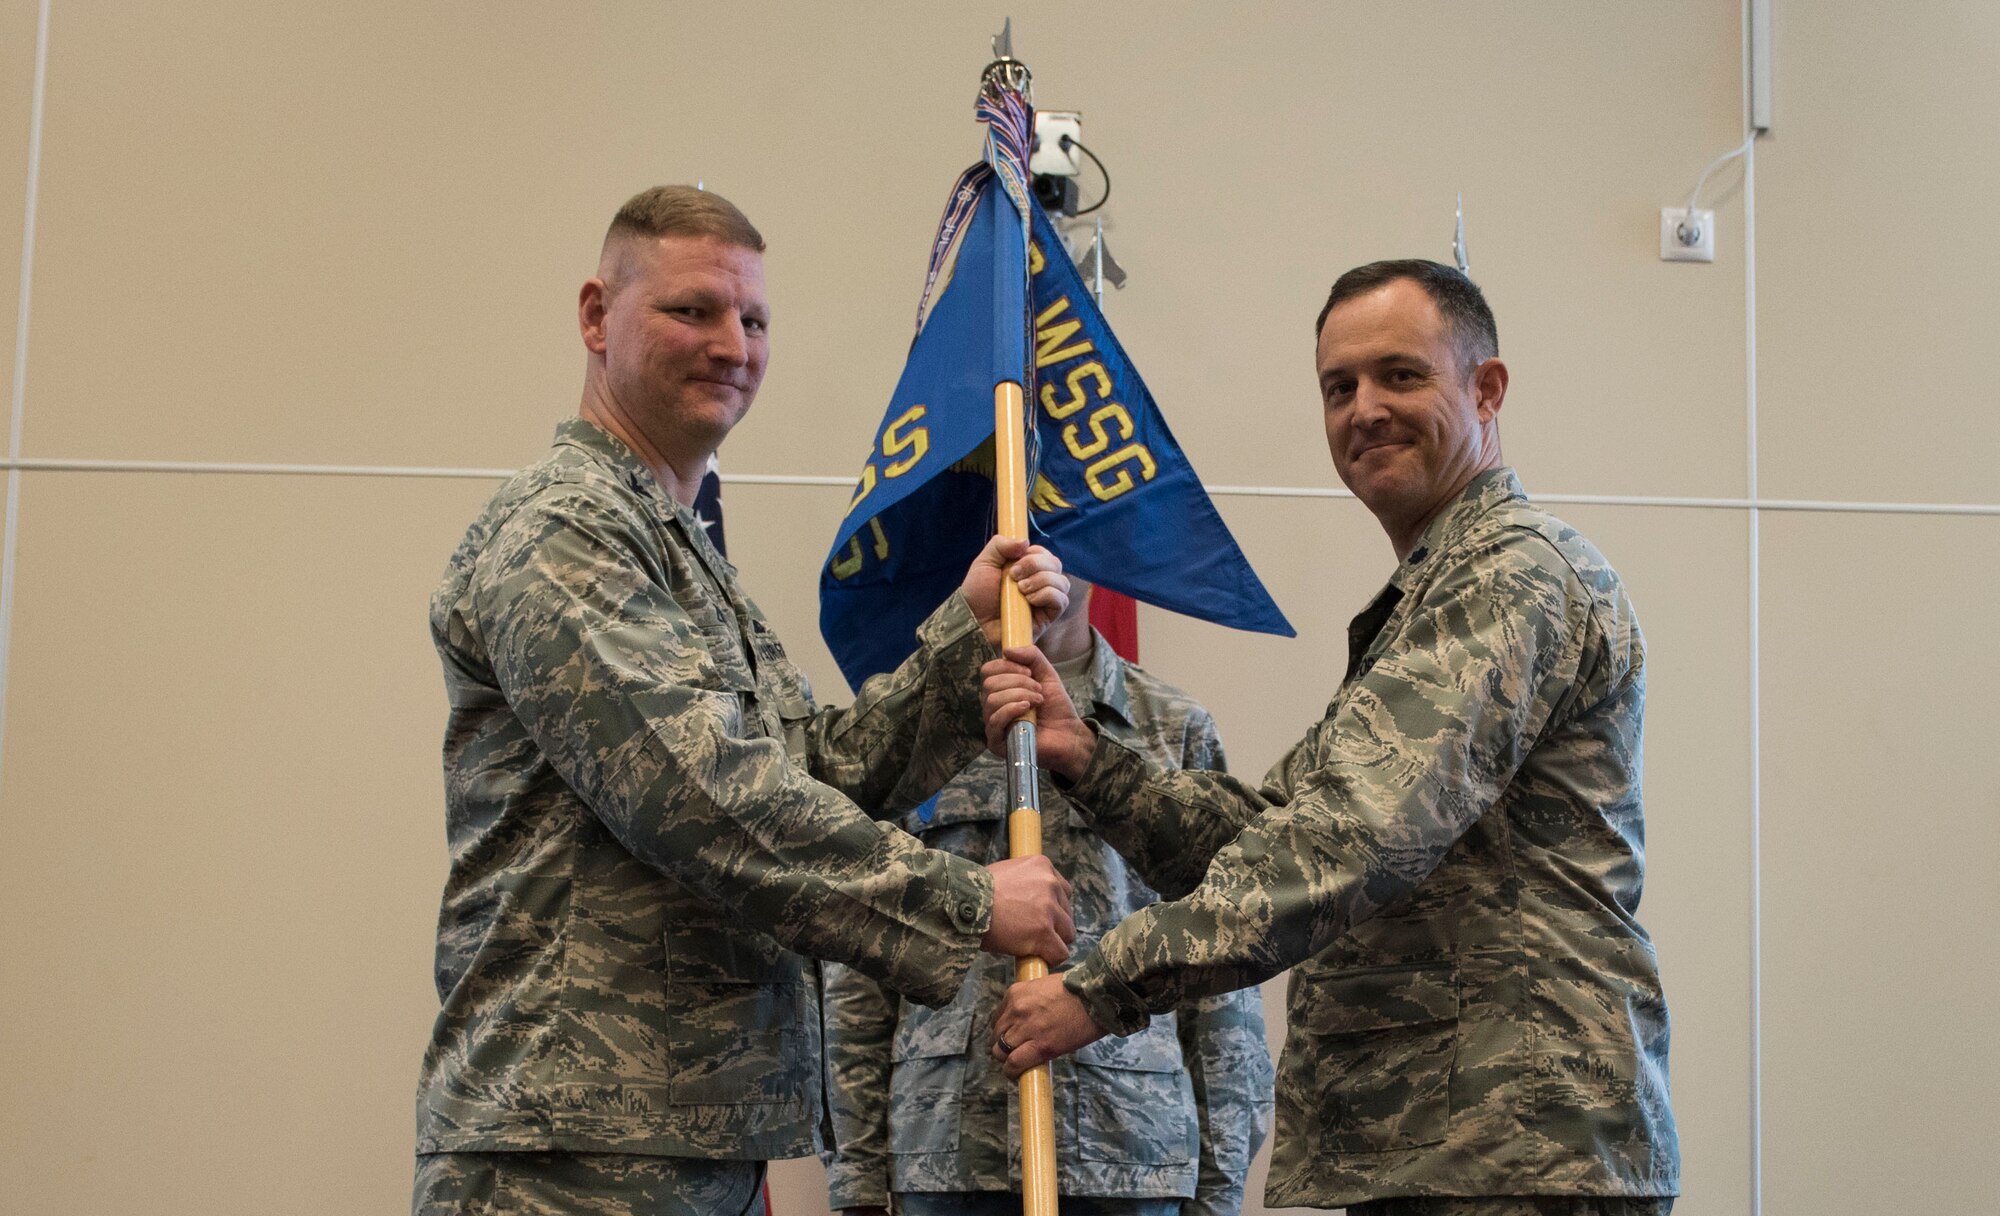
1003	1203
1177	1110
651	828
1517	1205
585	1184
1452	860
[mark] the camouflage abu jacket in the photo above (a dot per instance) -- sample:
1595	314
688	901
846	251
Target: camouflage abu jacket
1452	858
1176	1110
650	827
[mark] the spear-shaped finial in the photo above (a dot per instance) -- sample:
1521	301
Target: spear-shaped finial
1458	239
1005	70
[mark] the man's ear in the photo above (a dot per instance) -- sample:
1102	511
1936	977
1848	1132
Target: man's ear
1489	388
591	304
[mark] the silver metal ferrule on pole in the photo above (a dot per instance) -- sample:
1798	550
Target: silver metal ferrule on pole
1024	792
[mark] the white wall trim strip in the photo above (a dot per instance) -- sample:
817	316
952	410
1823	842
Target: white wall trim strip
60	465
38	465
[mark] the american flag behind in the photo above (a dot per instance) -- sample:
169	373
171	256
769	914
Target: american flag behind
708	504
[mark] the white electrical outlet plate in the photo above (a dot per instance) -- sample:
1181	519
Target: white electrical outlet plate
1673	245
1049	156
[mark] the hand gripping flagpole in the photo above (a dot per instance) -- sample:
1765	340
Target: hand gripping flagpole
1007	75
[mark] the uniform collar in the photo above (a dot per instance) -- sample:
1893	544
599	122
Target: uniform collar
1481	496
609	450
1103	683
624	464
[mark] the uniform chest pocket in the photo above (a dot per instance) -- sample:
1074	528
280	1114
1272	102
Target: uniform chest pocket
727	668
781	687
968	817
1132	1099
928	1061
737	1019
1374	1055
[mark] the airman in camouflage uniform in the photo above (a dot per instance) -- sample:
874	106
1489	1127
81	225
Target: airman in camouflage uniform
1163	1123
1451	858
650	823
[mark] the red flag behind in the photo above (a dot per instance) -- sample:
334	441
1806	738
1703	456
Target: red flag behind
1117	618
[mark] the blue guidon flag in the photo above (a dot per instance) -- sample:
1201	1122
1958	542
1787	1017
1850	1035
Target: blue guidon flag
1110	491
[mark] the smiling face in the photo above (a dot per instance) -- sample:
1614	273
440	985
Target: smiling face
1407	424
679	333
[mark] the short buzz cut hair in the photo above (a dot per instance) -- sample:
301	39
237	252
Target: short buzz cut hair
1459	301
684	211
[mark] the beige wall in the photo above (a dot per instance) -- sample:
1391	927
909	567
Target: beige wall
353	235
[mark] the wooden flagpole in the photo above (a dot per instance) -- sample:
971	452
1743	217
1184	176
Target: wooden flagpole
1024	799
1024	820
